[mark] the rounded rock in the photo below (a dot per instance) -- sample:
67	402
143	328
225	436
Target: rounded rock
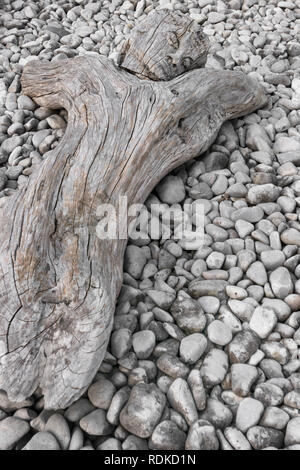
257	273
236	439
218	414
78	410
243	377
269	394
292	435
275	418
219	333
167	436
261	437
11	431
243	346
209	304
95	424
249	414
121	342
134	261
214	368
188	315
42	441
192	347
291	237
101	392
263	193
263	321
181	399
171	190
58	426
143	343
143	410
202	436
281	283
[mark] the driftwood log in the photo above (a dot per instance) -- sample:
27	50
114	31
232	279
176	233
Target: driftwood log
128	126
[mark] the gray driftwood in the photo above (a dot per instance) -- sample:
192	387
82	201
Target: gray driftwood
127	128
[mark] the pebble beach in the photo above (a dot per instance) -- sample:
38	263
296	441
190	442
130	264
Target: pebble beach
204	352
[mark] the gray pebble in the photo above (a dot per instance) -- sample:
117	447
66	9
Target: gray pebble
202	436
10	144
274	261
171	190
292	435
199	288
188	315
269	394
291	237
201	191
42	441
121	342
167	436
78	410
162	299
96	424
172	366
77	439
257	273
209	304
215	17
101	392
143	410
134	261
275	418
143	343
134	443
243	346
24	102
118	401
39	137
214	368
56	122
263	193
236	439
218	414
250	214
110	444
181	399
263	321
281	283
58	427
243	376
11	431
249	414
261	437
292	399
257	138
192	347
196	385
219	333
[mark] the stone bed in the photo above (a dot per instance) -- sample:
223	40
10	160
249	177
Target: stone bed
204	352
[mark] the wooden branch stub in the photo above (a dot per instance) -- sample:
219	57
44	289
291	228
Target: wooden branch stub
164	45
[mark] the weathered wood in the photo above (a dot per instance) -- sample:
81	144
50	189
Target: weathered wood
164	46
58	281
